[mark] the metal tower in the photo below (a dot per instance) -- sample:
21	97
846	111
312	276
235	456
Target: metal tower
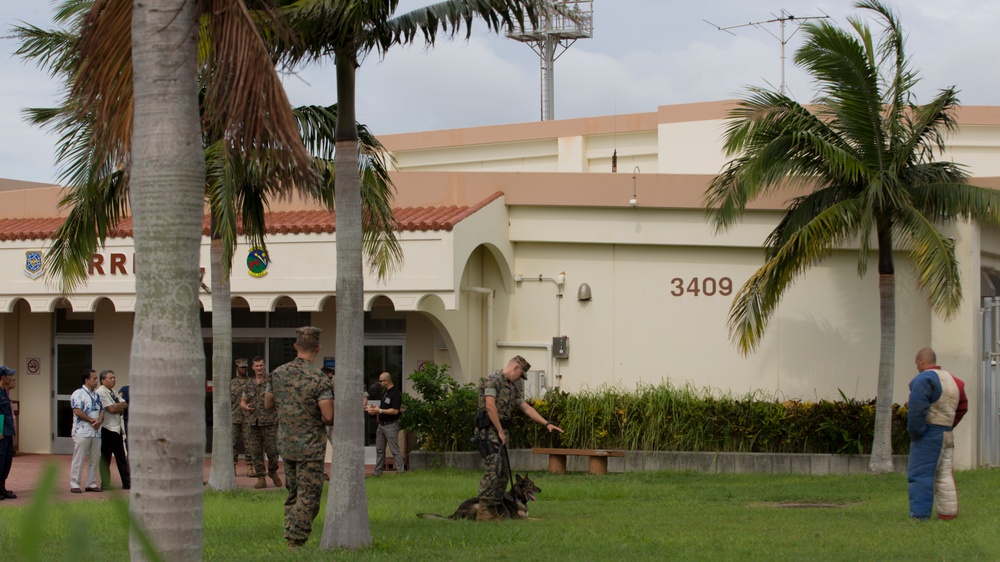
783	19
556	30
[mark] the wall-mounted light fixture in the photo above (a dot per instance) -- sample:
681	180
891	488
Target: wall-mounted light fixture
583	293
634	201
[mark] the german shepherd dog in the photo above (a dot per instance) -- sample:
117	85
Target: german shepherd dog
513	506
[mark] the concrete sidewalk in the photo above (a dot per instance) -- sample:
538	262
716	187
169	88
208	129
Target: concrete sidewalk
27	470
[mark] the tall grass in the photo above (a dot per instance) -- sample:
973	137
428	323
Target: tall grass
686	418
635	516
659	417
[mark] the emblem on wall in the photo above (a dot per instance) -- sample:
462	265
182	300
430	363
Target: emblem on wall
33	264
257	262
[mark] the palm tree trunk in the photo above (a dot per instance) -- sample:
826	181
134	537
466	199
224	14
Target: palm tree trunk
222	476
167	360
346	524
881	458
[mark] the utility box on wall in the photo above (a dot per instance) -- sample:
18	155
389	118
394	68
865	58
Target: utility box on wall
560	347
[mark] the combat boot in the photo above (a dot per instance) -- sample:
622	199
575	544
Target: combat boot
485	513
261	483
276	479
250	471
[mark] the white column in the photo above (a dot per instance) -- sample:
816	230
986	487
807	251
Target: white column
956	341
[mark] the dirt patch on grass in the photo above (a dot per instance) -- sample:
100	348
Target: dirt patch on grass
807	505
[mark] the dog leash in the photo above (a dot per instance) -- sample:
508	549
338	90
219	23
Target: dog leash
506	460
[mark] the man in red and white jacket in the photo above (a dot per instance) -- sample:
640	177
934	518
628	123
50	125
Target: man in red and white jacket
937	403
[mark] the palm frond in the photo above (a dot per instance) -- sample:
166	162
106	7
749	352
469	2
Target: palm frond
96	208
945	199
101	85
353	28
847	87
934	261
800	212
450	17
380	244
317	127
245	99
759	296
925	129
779	144
49	49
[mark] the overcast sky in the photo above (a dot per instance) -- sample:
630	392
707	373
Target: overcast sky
644	53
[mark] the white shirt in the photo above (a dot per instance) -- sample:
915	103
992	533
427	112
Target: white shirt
112	422
84	399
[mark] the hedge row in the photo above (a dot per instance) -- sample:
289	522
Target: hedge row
653	418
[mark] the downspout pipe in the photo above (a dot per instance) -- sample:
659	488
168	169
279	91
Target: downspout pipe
490	295
532	345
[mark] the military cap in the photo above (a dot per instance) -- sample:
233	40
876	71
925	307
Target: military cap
523	363
242	362
307	334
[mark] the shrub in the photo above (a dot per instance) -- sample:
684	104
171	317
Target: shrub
443	417
659	418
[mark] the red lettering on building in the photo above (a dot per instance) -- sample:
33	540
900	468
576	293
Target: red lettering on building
118	264
96	263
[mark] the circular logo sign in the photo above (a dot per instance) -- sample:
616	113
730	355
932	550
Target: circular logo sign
257	262
33	365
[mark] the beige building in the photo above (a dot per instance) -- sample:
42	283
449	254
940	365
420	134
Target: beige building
521	239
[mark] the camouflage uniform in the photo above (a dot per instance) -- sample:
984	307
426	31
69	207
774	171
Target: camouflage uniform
236	387
262	428
508	398
298	387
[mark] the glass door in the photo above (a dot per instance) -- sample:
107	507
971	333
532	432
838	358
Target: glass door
381	355
242	348
73	355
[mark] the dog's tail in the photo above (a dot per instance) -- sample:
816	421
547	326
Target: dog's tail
431	516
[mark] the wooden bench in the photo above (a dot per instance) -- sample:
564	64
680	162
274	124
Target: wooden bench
598	458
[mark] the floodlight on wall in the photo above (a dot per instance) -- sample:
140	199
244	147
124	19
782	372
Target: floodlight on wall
583	293
634	201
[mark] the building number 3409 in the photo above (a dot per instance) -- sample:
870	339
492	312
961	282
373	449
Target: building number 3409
708	286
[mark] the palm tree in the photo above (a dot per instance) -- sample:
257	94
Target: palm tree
349	30
865	152
236	186
166	175
133	78
237	190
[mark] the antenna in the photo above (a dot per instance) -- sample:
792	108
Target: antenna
782	20
555	30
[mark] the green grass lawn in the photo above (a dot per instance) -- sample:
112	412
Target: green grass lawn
638	516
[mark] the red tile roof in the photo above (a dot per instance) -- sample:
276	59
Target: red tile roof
443	217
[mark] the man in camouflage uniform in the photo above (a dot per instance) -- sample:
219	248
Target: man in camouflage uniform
262	425
236	387
499	396
303	398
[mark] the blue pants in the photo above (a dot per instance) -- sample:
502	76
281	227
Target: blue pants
925	451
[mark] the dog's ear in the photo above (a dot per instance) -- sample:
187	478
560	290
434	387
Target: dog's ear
519	478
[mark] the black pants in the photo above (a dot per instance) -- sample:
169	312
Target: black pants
112	443
6	457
